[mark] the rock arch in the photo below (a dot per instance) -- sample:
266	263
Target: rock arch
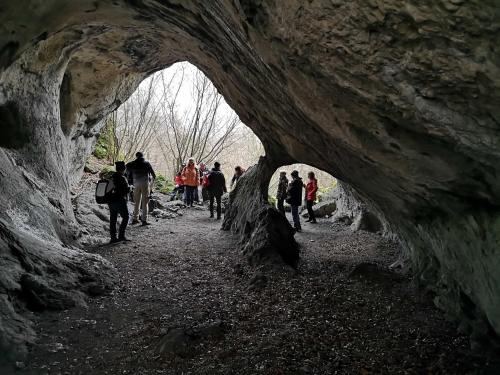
397	99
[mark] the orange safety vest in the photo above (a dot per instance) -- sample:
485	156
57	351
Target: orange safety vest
190	176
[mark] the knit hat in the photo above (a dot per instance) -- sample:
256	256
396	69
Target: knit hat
120	165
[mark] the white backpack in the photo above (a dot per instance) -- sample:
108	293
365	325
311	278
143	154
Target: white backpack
103	191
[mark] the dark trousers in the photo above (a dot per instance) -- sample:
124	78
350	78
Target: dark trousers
295	217
217	197
178	190
310	211
196	198
281	205
116	208
190	194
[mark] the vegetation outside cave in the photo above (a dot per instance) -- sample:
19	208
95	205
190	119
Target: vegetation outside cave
178	113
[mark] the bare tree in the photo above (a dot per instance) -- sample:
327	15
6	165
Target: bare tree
135	124
173	115
204	130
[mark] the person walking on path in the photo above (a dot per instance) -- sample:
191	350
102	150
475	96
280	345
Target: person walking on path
118	203
311	190
191	181
281	193
294	198
142	176
216	187
238	172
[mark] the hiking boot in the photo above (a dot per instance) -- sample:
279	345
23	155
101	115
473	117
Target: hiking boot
314	222
218	217
123	239
145	223
308	220
211	216
114	240
135	221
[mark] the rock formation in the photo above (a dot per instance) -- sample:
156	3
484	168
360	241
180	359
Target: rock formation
266	235
398	99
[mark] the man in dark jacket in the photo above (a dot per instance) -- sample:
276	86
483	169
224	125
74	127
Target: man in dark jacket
216	187
141	175
294	198
118	203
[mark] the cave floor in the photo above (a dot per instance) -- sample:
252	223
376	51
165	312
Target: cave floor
186	302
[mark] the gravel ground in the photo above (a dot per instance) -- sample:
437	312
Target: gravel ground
187	303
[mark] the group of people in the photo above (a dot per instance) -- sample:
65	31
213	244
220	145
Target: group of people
140	175
191	182
291	193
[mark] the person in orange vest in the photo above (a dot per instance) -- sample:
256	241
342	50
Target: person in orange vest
191	180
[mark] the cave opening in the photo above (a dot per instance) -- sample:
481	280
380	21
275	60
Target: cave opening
355	88
174	115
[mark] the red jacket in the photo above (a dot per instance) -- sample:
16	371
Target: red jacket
311	189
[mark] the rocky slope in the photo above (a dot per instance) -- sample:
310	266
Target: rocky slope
398	99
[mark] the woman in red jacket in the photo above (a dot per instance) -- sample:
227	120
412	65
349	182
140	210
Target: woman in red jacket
311	189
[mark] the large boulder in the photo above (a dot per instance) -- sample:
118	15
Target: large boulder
323	208
367	221
39	275
360	215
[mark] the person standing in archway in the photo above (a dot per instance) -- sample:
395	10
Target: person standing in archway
118	203
191	181
216	187
142	176
202	170
238	172
294	198
281	193
311	190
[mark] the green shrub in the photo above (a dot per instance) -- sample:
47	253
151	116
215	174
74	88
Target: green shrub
107	171
101	149
324	190
271	199
105	147
163	185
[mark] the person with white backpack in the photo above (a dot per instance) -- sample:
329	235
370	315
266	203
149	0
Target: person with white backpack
117	202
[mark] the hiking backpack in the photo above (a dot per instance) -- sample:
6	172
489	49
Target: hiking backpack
206	180
103	191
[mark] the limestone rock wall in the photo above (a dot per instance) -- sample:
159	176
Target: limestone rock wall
398	98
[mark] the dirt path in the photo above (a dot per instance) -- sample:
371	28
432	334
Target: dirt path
184	304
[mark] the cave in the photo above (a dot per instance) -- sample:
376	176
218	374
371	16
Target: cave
398	100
